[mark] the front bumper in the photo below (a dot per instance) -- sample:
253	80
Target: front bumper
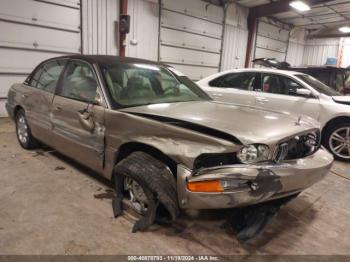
251	184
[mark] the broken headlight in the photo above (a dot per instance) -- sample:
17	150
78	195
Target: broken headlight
253	153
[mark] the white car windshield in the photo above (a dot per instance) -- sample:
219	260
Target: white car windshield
317	85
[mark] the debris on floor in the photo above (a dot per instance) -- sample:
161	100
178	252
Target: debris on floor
108	194
38	153
57	168
42	153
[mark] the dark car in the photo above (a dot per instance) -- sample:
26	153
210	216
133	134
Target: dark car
334	77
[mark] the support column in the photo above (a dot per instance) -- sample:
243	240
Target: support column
122	37
252	24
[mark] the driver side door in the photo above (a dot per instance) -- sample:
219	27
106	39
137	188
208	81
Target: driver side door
78	123
278	93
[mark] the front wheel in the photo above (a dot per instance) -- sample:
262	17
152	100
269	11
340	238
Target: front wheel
24	134
147	184
337	140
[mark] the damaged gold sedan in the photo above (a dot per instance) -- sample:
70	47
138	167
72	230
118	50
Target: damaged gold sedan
162	141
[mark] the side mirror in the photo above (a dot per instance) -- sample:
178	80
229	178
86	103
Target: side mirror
303	92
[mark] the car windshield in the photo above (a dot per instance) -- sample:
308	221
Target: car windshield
143	84
319	86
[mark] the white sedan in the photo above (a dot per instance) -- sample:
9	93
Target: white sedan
289	92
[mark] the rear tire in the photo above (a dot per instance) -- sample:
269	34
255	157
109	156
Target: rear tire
337	140
23	132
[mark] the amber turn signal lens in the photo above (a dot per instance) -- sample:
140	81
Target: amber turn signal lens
205	186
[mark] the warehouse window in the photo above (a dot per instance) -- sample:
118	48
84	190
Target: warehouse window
243	81
79	82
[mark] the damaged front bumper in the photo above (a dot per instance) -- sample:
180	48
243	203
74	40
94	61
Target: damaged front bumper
244	185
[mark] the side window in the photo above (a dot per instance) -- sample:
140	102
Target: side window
272	84
276	84
79	82
243	81
35	79
47	76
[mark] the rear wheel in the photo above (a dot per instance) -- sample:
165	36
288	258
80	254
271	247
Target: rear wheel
337	140
24	134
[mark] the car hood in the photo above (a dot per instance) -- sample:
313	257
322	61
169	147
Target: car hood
247	124
342	99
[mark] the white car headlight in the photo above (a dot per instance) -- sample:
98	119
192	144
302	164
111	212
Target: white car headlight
253	153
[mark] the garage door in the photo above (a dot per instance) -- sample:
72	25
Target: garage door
32	31
271	41
190	39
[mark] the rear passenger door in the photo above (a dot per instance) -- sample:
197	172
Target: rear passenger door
77	120
38	97
278	93
234	88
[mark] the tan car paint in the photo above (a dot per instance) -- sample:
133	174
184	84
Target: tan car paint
98	147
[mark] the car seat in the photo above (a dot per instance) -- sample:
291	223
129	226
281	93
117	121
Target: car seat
136	89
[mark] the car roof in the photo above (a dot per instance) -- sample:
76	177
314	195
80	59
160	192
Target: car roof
260	70
324	67
108	59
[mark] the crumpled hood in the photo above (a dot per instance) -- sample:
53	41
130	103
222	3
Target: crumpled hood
342	99
247	124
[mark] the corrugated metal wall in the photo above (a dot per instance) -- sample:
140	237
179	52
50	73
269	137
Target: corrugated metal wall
235	38
296	46
318	50
99	28
346	53
190	36
32	31
271	40
295	53
142	42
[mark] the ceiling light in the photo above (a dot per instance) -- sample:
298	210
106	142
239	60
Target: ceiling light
344	29
300	6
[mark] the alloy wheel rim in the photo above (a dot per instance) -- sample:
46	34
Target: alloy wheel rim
136	195
339	142
22	130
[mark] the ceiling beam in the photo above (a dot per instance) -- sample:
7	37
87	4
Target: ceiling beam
278	7
327	36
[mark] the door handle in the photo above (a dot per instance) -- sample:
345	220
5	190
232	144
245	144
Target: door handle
24	96
58	108
86	121
262	100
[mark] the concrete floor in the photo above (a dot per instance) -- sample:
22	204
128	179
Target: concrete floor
49	205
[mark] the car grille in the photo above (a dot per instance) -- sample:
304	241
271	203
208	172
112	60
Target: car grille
298	147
